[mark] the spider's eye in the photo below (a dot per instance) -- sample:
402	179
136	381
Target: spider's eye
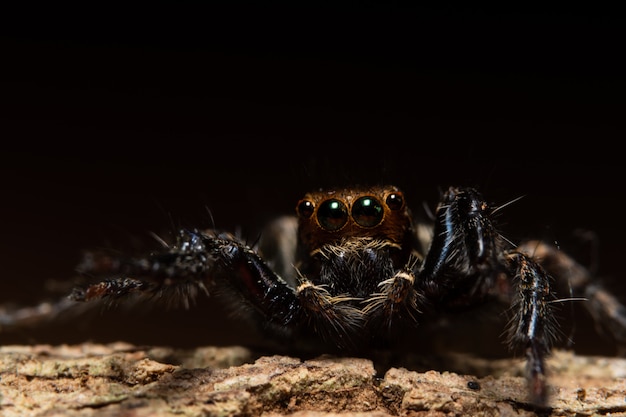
395	201
305	208
367	211
332	215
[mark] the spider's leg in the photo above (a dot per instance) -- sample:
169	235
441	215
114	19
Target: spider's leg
466	264
25	317
248	277
112	274
465	255
220	262
533	324
608	312
176	274
204	261
576	282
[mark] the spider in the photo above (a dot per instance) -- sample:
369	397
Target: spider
353	268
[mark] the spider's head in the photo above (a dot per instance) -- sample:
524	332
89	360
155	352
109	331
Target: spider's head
326	217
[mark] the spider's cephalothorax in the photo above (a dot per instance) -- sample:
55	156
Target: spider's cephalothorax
352	266
357	256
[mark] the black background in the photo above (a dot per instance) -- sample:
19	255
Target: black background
117	121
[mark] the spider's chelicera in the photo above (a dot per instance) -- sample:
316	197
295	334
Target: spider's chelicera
353	265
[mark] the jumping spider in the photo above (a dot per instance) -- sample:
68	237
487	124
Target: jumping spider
354	265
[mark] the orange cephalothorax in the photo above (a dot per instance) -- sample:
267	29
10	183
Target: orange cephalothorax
330	216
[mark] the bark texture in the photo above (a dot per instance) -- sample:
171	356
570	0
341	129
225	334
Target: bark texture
125	380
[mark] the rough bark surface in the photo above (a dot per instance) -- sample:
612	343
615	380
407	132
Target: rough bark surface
126	380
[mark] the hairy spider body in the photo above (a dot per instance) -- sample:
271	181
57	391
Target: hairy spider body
352	267
357	270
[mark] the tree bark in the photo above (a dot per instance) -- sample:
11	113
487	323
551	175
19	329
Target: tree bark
125	380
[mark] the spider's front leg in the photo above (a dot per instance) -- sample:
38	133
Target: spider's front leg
467	264
201	262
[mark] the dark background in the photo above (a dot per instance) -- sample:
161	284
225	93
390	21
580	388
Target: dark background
120	121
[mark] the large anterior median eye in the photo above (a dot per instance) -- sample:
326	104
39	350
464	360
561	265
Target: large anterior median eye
367	211
332	215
